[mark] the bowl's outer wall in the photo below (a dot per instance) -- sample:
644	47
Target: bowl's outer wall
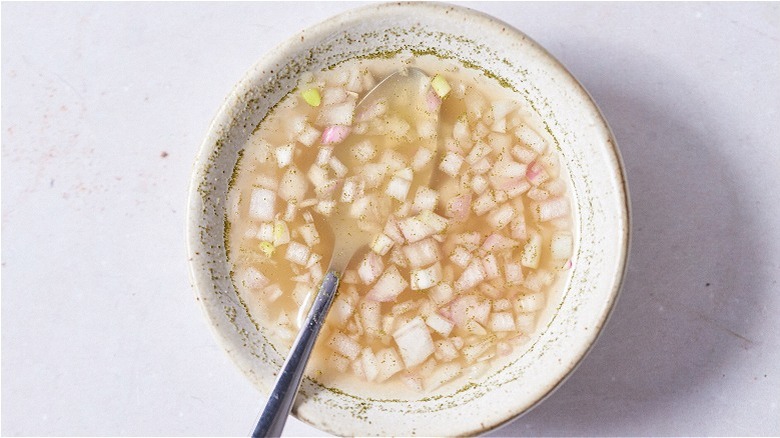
588	154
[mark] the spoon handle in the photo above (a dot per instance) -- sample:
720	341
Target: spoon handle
271	422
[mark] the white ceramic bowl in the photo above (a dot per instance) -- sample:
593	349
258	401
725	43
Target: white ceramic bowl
588	154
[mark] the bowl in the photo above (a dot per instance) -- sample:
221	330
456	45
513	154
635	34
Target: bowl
589	157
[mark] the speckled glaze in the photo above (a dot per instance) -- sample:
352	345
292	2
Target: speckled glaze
588	154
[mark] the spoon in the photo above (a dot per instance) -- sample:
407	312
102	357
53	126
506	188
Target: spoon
405	94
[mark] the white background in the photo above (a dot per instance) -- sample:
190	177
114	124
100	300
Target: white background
104	107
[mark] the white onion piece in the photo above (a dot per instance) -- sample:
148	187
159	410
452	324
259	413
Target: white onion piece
551	209
389	286
425	199
451	164
284	155
272	293
439	324
373	174
460	256
536	173
422	253
414	342
513	274
517	228
293	185
532	251
318	176
498	242
340	114
370	268
254	279
471	276
490	291
309	234
531	302
414	229
537	194
382	244
442	374
501	217
398	188
479	184
470	240
262	204
478	152
502	322
338	167
445	350
490	263
349	190
560	245
344	345
531	138
432	101
334	134
309	135
364	151
389	363
484	203
441	294
421	158
326	207
458	208
371	317
422	279
297	253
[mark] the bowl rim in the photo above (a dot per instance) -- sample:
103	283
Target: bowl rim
225	118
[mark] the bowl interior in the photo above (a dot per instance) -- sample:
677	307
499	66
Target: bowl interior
588	156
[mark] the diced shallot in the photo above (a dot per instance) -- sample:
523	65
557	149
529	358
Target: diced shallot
425	278
441	294
458	208
297	253
255	279
560	245
532	251
389	286
471	276
414	229
414	342
381	244
370	268
502	322
344	345
424	199
422	253
334	134
262	204
551	209
389	363
498	242
439	324
451	164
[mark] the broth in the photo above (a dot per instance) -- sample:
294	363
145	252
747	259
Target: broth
463	260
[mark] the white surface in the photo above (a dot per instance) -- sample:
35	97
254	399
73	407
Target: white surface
101	333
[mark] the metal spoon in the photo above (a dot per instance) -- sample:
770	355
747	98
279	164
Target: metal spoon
405	94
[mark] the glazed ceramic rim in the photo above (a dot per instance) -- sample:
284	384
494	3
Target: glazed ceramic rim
226	119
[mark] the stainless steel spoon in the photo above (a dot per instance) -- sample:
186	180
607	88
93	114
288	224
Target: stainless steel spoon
405	93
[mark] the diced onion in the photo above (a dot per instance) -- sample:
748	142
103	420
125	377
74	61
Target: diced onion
451	164
370	268
560	245
421	158
425	278
398	188
297	253
389	286
284	155
471	276
414	342
262	204
532	251
334	134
